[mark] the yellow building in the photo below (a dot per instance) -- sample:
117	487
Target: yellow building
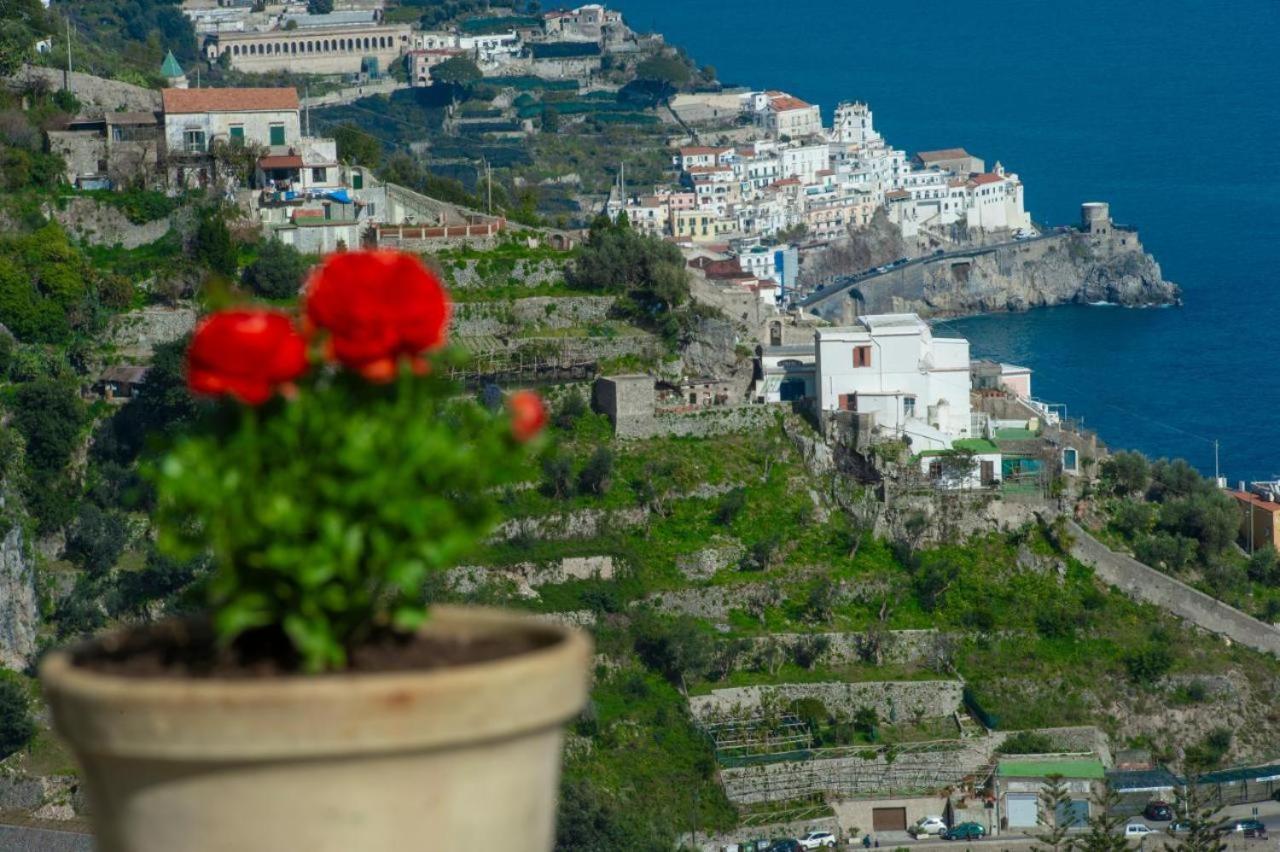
1259	521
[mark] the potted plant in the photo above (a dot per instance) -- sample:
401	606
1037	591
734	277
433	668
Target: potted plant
320	705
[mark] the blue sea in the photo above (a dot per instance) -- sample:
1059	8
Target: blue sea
1169	110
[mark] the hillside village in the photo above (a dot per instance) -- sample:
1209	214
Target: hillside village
842	574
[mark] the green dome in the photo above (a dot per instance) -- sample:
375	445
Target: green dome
170	68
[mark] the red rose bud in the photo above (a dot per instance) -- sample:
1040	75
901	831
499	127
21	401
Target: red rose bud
248	354
379	307
528	415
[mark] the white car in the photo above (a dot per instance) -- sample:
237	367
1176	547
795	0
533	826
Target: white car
1137	829
818	840
928	825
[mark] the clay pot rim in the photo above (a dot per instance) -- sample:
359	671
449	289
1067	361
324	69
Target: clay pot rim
341	713
444	618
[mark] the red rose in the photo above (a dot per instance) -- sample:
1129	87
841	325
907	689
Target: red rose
528	414
378	307
245	353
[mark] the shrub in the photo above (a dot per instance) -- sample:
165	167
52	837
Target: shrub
277	272
96	540
731	506
16	725
213	247
1147	665
570	407
597	474
1027	742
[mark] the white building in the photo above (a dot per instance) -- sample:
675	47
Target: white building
196	118
803	161
853	125
891	366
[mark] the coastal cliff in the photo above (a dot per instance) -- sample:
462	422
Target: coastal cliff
1077	269
1064	267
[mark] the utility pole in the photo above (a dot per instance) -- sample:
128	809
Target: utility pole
66	77
1217	477
308	102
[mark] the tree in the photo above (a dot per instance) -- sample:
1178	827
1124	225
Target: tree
277	272
457	70
664	68
569	409
49	415
319	7
1204	831
357	146
675	647
1105	824
731	506
557	475
1055	803
1264	566
160	405
1126	473
588	820
213	247
597	473
1148	664
97	539
16	725
550	120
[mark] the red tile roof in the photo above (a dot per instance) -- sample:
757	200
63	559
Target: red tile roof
181	101
782	103
896	195
1258	502
985	178
281	161
944	154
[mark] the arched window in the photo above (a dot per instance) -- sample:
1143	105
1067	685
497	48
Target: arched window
366	43
293	47
235	50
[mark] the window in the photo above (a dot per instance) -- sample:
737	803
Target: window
848	402
237	134
862	356
319	175
1070	459
277	134
908	406
193	141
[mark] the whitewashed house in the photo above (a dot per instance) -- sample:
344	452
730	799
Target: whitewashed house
891	366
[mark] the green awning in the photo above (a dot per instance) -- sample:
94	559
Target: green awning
1081	768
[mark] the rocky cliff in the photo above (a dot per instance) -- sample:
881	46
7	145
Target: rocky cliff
1070	267
1076	269
19	604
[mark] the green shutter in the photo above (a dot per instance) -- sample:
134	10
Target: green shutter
357	180
277	134
237	134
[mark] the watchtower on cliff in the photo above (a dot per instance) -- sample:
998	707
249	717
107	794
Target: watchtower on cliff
1095	217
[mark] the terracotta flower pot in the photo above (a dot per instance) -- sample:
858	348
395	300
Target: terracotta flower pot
454	758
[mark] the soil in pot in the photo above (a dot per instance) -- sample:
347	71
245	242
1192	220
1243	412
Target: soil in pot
189	648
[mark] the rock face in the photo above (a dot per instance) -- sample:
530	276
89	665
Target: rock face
19	606
1074	270
1068	267
103	225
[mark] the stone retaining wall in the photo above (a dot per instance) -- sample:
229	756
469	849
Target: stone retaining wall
529	576
98	224
587	523
892	700
704	422
473	319
901	647
1144	583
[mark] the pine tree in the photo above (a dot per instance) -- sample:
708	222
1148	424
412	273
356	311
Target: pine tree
1055	805
1105	826
1204	832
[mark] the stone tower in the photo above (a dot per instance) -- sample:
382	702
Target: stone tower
1095	217
172	72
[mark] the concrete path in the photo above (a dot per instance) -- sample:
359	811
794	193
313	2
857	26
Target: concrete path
1144	583
22	839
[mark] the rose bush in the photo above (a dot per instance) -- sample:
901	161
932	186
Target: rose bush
336	475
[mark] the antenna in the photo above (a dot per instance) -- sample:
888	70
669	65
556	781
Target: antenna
66	78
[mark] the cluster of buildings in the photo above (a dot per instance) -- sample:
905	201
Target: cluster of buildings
796	177
356	39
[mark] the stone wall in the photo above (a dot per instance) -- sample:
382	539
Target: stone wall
91	91
137	333
473	319
529	576
525	273
702	422
587	523
892	700
1144	583
900	647
104	225
19	605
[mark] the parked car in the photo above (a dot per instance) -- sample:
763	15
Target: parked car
1247	827
786	845
965	831
1137	829
818	840
928	825
1177	827
1158	811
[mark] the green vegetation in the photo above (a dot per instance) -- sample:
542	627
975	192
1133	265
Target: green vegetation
277	272
16	725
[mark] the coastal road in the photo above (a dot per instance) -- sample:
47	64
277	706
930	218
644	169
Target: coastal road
844	282
16	838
